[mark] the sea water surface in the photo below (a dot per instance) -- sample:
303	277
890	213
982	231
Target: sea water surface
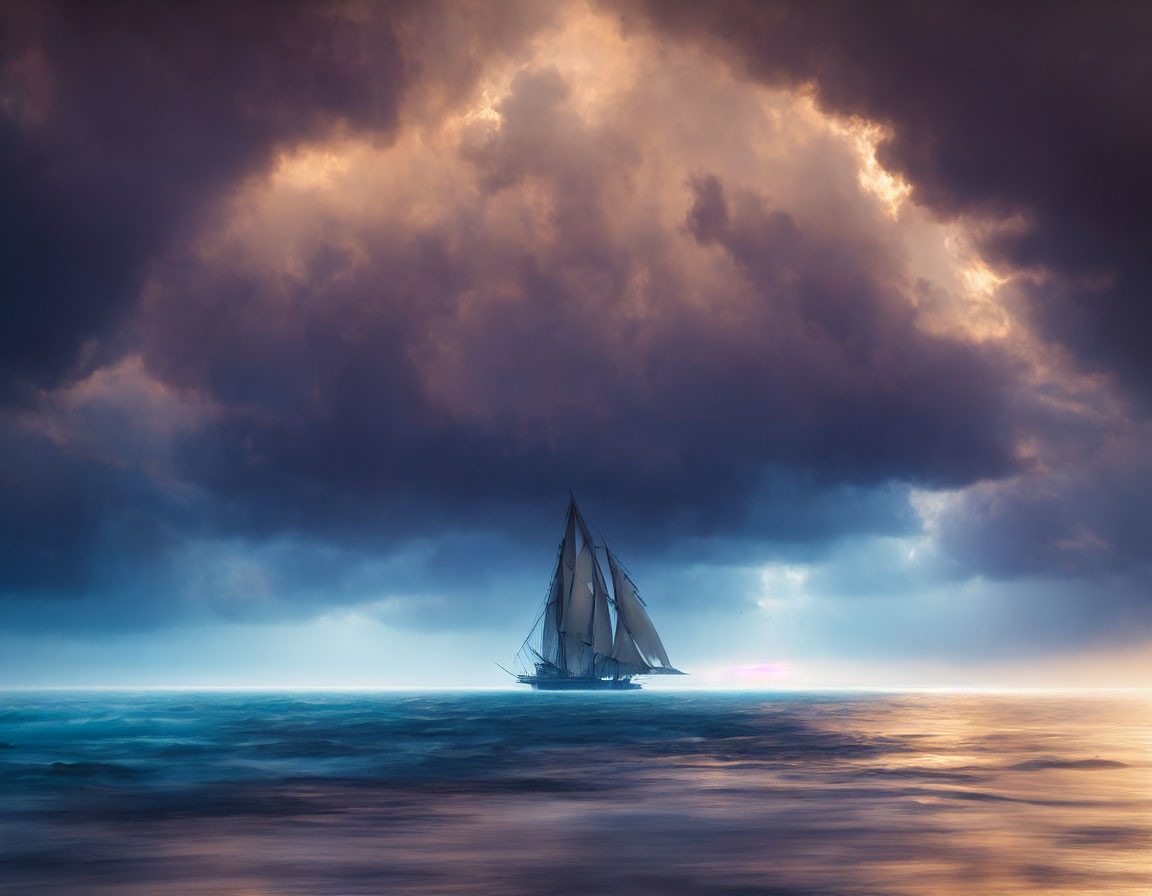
555	793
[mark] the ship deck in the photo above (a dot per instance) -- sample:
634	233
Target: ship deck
569	683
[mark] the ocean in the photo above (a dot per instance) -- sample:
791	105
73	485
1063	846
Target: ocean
736	794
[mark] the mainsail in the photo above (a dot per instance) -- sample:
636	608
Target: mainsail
576	632
636	639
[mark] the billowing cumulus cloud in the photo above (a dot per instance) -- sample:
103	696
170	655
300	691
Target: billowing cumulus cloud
1031	121
122	123
1024	127
355	293
537	303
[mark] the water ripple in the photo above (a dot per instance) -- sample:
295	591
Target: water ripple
924	795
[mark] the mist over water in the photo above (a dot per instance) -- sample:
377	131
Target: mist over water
680	793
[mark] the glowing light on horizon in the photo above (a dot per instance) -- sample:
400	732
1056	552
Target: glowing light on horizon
748	675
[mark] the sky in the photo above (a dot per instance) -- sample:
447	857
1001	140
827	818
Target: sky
833	316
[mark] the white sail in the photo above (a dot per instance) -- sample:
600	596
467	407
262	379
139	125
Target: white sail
581	604
567	562
636	624
625	656
599	633
601	621
579	660
550	634
572	620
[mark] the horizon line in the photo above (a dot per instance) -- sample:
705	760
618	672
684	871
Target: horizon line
897	689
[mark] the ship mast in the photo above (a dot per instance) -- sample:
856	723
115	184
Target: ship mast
576	625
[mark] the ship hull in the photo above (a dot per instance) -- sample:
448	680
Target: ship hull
557	683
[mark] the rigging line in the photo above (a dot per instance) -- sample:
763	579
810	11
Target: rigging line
513	674
628	576
558	573
571	518
539	615
547	591
610	593
616	560
604	541
573	501
527	637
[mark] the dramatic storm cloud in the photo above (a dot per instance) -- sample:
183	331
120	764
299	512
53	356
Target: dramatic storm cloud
1031	121
831	317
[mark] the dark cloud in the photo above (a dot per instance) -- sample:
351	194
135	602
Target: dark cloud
297	319
1031	118
124	119
1088	521
122	123
447	402
60	514
894	402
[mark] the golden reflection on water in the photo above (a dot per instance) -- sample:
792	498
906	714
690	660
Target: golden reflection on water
925	795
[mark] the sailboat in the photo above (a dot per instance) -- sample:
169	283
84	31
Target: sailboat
585	638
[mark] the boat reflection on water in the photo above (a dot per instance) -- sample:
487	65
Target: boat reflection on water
553	793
